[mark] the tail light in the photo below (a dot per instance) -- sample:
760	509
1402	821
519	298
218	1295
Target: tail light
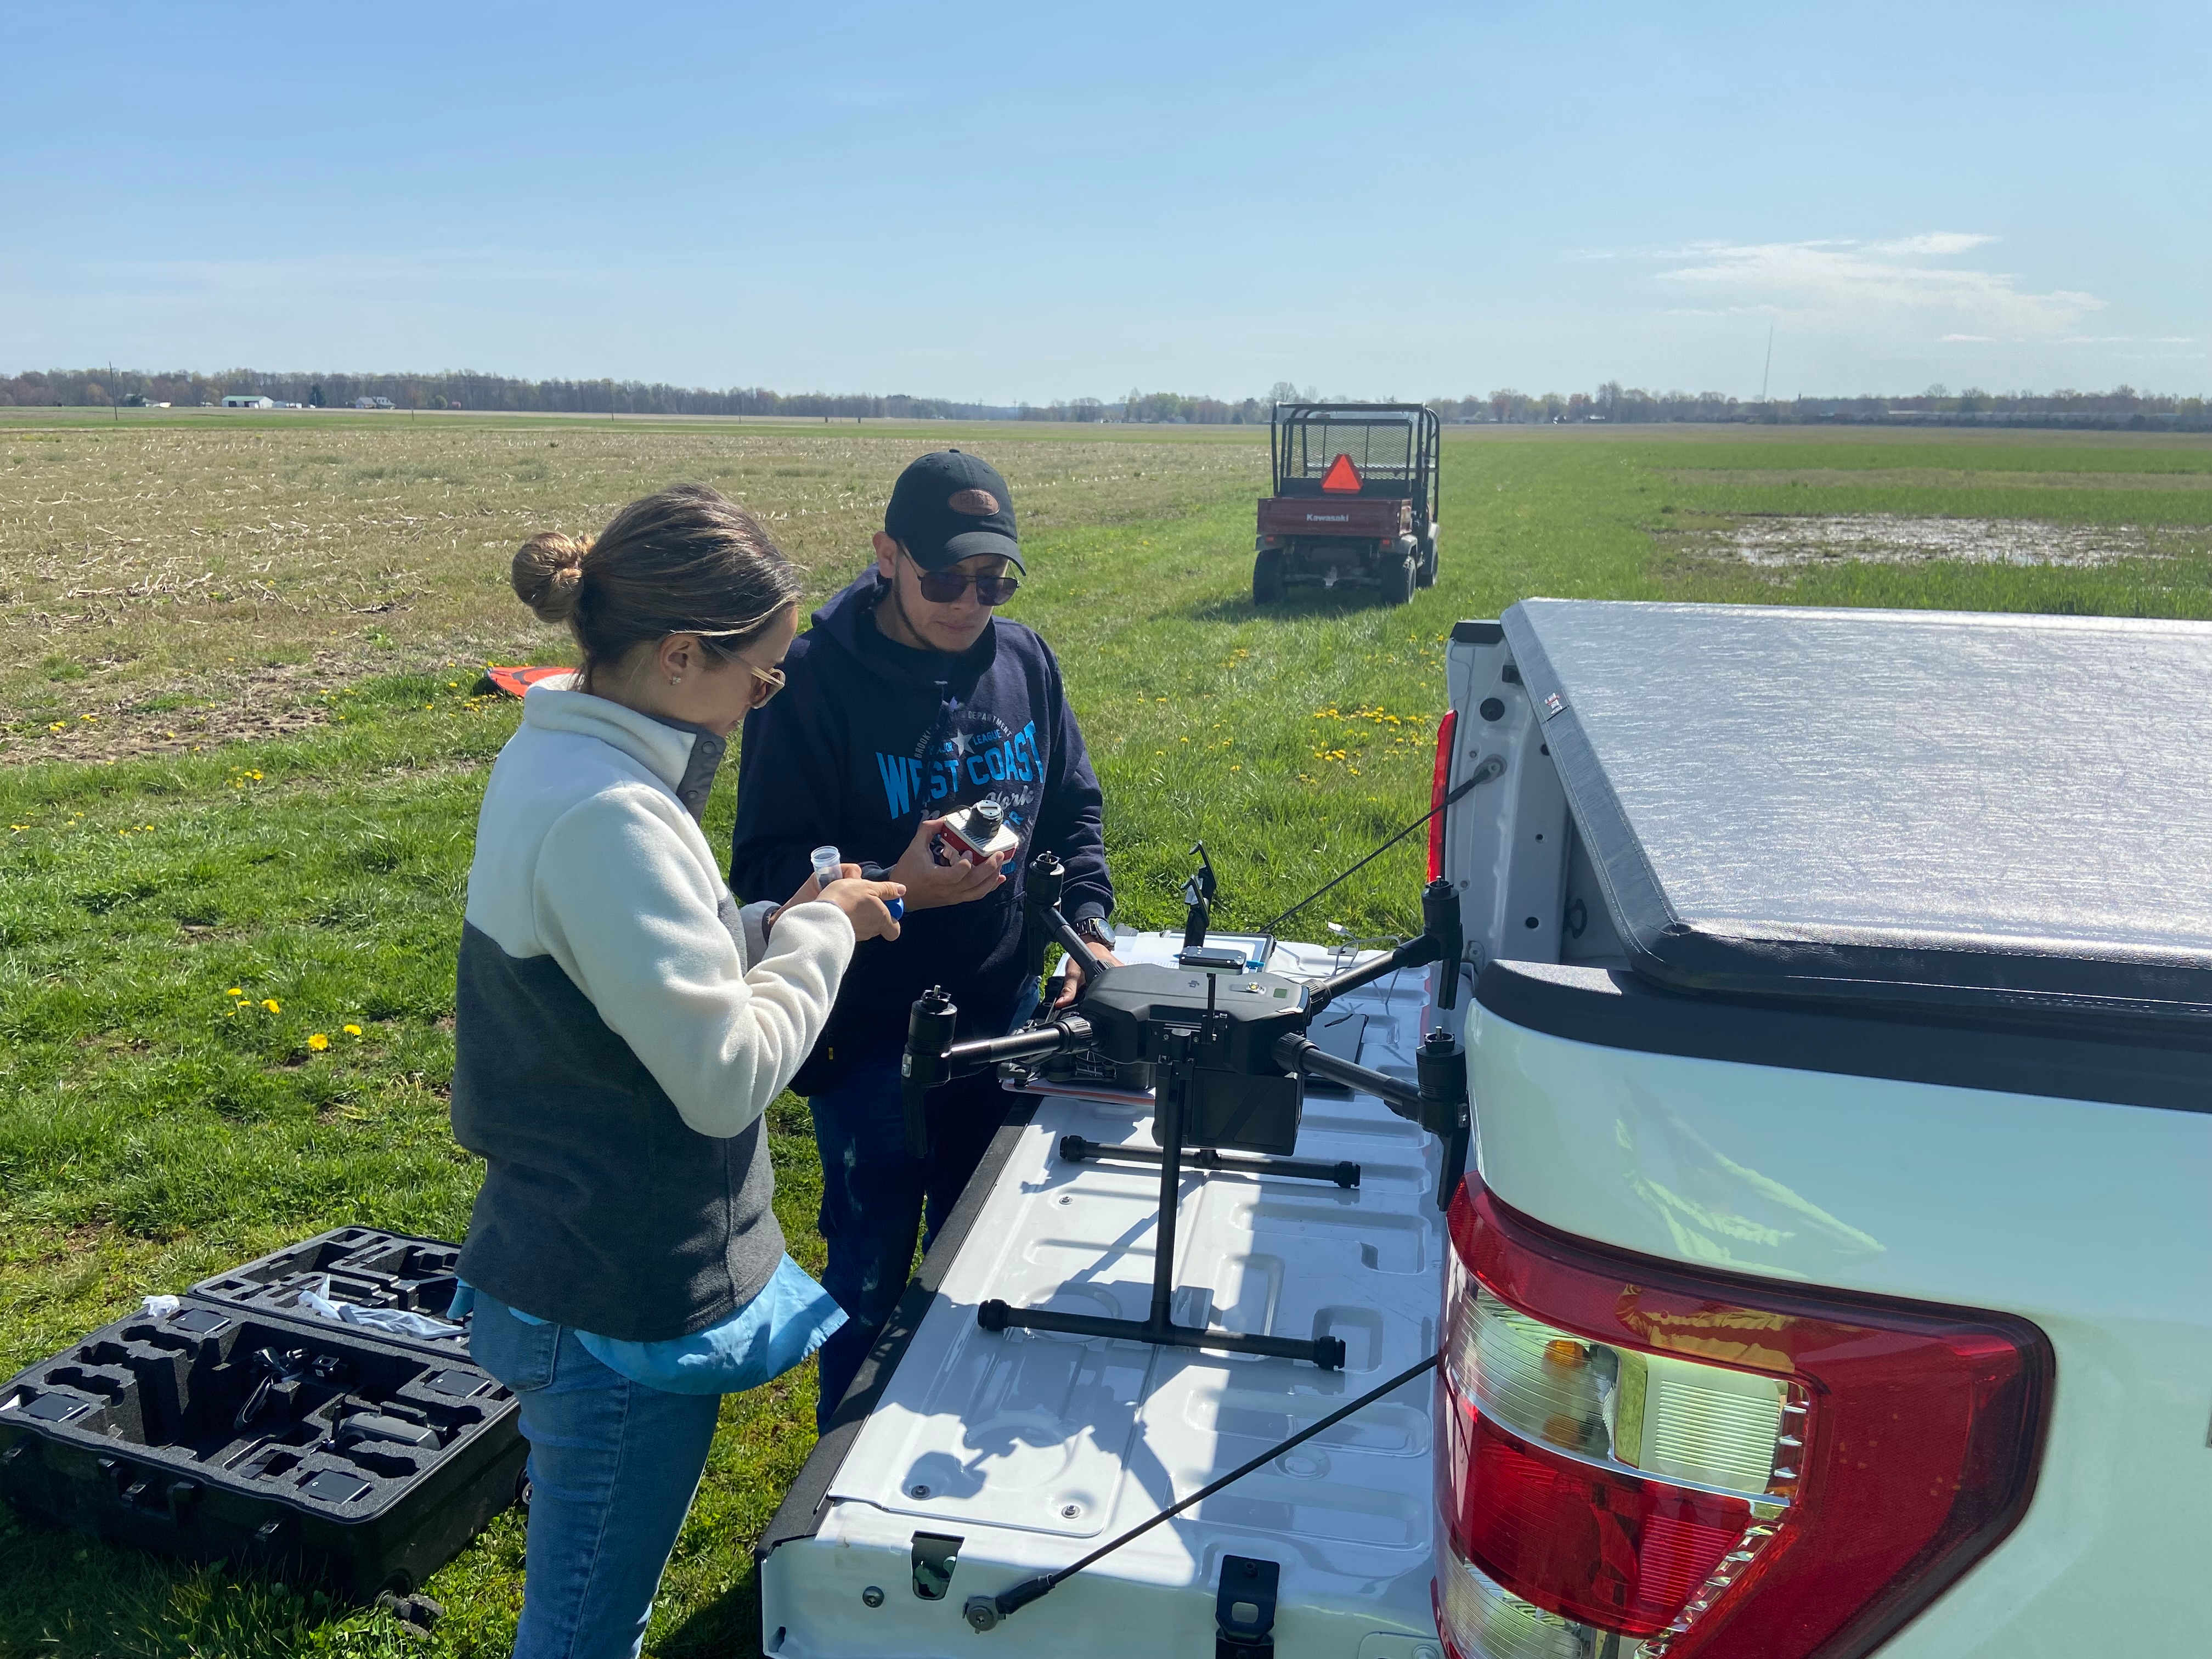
1637	1460
1439	783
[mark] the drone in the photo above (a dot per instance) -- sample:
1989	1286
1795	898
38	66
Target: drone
1224	1045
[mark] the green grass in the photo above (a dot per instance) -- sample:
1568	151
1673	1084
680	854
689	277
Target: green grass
153	1130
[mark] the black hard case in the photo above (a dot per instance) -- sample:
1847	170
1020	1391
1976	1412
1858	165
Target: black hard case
134	1434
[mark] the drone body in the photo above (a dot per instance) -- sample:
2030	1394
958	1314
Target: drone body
1224	1050
1224	1027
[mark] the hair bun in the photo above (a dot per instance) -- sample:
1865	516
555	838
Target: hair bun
548	569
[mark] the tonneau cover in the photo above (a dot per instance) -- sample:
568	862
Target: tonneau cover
1967	812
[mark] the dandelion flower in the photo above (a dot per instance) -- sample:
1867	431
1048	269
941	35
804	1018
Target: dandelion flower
352	1030
319	1042
234	991
272	1004
1237	768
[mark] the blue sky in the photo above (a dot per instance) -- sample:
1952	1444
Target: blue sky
1027	201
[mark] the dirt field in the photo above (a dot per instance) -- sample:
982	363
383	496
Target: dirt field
169	584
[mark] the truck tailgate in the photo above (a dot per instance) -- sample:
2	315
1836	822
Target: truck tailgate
1333	515
1030	1449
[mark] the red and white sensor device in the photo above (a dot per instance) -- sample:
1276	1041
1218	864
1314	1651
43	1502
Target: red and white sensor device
975	833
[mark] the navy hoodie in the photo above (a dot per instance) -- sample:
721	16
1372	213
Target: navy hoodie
869	737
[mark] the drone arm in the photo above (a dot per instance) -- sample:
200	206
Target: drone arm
1046	879
1295	1053
933	1057
981	1054
1062	934
1439	940
1438	1103
1434	1102
1413	953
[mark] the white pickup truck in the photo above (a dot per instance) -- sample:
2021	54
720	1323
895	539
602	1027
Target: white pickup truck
1833	1273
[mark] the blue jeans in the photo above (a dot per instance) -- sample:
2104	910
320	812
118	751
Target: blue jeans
613	1466
874	1196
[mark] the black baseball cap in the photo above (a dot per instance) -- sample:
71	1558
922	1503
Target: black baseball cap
947	506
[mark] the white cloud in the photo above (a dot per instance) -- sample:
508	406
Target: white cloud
1933	241
1897	284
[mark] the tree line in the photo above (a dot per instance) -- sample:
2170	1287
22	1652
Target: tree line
2123	407
466	389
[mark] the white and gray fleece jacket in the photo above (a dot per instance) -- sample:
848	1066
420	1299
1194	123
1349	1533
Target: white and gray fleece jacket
620	1028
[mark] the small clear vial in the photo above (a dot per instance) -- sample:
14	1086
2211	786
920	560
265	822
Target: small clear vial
830	867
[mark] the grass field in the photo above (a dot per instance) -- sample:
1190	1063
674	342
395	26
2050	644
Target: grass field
243	751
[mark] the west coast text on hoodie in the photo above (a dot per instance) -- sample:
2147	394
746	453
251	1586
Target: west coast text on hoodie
871	737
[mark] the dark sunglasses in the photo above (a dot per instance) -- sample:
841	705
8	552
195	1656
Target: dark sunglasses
945	586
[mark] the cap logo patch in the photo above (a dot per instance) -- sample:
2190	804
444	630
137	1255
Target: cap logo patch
978	503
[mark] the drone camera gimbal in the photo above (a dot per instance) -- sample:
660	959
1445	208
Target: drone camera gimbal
1228	1055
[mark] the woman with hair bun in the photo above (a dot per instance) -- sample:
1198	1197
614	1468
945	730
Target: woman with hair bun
619	1027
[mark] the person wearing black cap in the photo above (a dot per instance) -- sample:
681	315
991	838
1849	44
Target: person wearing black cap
906	700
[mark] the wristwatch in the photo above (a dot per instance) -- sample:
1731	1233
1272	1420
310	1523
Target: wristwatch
1097	930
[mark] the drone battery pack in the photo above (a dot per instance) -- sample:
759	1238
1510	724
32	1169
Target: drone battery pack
1243	1114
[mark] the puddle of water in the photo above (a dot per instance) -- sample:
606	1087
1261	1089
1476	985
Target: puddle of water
1881	538
1929	477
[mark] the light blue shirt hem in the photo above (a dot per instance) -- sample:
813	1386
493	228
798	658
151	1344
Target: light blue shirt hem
788	1321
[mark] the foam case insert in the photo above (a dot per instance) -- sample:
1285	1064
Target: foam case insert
364	1266
311	1450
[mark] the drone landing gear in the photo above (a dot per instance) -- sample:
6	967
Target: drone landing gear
1074	1149
1228	1067
1157	1327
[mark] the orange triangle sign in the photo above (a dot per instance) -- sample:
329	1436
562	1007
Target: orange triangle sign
1342	477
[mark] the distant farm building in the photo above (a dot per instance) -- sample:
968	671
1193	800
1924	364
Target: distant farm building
372	403
245	400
